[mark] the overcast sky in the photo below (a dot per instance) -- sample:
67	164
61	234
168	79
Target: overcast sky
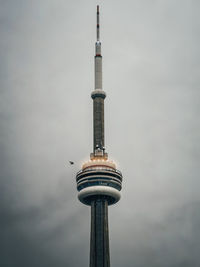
151	74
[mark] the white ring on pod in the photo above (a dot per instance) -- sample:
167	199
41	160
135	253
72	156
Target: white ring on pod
99	190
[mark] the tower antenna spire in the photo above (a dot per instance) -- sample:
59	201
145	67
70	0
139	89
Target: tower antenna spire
98	26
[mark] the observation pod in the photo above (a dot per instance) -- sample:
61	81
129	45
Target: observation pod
99	178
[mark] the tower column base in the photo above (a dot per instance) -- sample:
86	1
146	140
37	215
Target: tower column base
99	239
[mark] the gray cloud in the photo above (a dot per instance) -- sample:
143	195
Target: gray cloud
151	70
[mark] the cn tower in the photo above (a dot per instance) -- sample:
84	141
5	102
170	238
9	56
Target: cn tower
99	182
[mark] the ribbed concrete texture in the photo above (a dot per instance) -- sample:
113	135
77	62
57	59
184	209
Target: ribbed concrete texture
99	239
98	122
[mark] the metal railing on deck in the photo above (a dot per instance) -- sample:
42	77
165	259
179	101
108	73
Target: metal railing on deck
99	168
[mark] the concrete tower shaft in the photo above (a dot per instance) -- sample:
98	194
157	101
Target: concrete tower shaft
98	124
99	238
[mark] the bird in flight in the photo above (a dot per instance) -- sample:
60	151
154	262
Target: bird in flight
71	162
